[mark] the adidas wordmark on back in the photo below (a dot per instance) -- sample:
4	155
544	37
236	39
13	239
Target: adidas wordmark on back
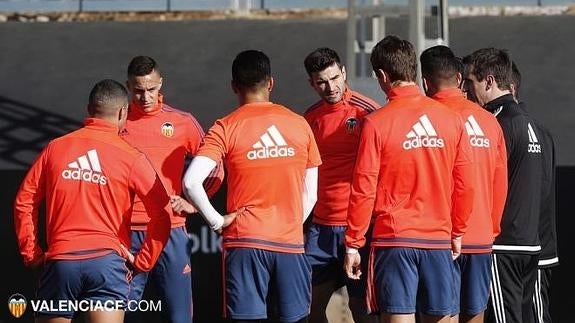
271	145
86	168
423	134
476	135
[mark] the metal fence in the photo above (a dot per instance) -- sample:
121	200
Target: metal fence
236	5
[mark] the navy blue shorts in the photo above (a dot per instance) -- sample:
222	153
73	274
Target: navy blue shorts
402	280
325	251
171	276
252	275
102	280
472	276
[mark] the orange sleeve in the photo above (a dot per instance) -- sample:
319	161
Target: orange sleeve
153	194
314	158
499	185
463	181
364	186
26	205
215	142
195	136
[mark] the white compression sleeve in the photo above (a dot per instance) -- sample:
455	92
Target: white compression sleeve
197	172
309	196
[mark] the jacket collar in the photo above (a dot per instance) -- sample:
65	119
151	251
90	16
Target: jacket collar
101	125
498	103
403	91
448	93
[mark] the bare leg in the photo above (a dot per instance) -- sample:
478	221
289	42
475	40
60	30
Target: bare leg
52	319
397	318
436	319
105	317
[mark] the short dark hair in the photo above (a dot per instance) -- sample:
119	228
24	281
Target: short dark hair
320	59
142	65
466	61
396	57
250	69
106	97
439	65
515	78
460	65
492	61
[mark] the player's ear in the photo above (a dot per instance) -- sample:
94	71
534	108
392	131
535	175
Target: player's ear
489	82
161	82
383	76
123	113
425	86
344	73
459	79
270	85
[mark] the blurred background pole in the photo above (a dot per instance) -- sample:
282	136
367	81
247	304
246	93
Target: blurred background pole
351	35
242	6
444	21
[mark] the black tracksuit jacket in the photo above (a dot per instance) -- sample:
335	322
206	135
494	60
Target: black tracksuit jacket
549	256
526	153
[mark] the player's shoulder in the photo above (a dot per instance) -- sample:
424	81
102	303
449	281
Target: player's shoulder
362	101
288	113
182	118
106	144
428	105
175	112
314	108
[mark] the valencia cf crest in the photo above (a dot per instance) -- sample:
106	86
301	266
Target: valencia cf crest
168	129
351	124
17	305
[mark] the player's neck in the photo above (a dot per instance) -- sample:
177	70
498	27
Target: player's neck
253	97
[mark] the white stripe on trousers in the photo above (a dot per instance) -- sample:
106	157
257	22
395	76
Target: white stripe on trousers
538	299
496	293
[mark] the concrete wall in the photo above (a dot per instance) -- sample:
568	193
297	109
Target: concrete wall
48	69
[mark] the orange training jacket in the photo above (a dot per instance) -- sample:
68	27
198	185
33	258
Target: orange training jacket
167	136
266	149
490	164
88	180
336	128
413	173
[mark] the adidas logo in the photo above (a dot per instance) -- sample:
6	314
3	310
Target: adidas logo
423	135
476	135
534	146
271	145
86	168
